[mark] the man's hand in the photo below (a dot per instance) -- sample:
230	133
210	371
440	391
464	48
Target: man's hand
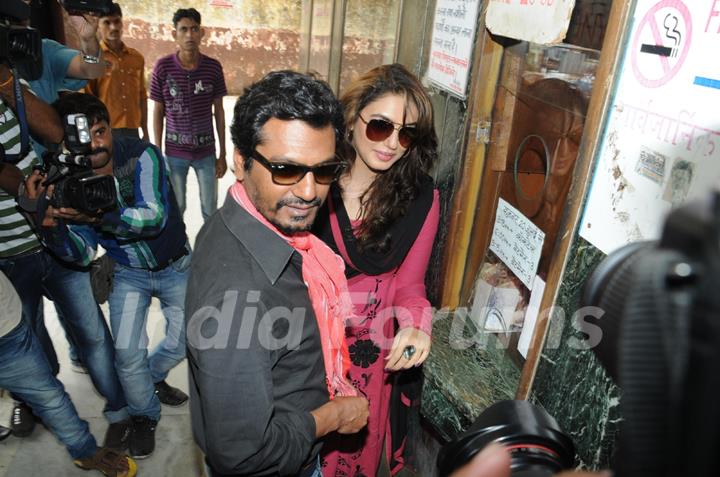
86	26
74	215
344	414
494	461
34	185
34	190
220	166
353	412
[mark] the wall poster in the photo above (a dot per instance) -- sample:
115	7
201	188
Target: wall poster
661	146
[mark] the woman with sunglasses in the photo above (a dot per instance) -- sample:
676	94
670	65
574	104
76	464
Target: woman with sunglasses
381	217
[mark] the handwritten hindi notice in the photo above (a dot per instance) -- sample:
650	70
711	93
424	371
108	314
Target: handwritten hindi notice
539	21
517	242
452	44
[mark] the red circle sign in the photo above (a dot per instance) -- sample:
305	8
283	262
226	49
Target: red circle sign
650	23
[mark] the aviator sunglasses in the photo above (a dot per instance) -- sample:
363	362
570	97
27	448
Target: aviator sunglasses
285	173
379	129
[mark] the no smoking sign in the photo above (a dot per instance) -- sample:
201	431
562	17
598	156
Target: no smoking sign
661	43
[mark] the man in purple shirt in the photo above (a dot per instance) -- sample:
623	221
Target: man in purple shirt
188	89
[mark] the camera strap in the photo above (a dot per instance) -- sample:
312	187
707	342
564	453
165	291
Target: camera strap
22	120
22	116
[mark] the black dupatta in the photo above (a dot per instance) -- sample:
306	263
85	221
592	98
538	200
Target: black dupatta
403	232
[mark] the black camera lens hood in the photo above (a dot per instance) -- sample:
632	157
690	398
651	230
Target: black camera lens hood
517	425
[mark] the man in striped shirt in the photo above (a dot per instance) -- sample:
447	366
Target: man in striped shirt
145	235
188	89
34	272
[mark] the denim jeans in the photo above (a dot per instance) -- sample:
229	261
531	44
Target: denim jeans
38	273
129	303
25	372
207	183
26	273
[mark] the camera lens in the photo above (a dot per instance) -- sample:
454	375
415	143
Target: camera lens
537	446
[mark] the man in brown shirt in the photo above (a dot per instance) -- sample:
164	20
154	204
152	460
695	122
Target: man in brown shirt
122	88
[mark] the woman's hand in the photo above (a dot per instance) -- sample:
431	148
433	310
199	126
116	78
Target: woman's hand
408	337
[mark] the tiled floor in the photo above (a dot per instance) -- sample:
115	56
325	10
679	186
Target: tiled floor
175	455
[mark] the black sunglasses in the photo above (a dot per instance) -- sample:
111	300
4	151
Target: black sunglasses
285	173
379	129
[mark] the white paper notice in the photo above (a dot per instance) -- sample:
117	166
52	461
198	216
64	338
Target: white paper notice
452	44
531	315
538	21
517	242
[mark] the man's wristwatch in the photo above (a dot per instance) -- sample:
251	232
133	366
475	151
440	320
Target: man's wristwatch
94	60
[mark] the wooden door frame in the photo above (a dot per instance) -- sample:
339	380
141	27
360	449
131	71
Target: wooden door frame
613	50
485	71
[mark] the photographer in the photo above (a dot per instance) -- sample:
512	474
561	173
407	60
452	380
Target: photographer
32	271
145	235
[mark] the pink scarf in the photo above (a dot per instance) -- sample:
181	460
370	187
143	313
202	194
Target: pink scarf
324	275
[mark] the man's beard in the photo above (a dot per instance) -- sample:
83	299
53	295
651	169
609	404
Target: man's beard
293	229
290	229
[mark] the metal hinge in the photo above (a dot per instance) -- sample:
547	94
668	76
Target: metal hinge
483	132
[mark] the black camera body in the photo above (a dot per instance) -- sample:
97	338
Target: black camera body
97	7
75	184
20	46
661	344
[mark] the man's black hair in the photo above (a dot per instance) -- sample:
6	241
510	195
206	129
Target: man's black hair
190	13
82	103
285	95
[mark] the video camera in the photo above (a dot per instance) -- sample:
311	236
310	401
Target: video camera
76	185
20	46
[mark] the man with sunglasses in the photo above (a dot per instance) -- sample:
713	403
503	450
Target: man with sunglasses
265	307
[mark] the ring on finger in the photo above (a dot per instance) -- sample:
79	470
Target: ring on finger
409	351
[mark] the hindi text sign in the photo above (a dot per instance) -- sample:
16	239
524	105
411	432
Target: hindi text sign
517	242
452	44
